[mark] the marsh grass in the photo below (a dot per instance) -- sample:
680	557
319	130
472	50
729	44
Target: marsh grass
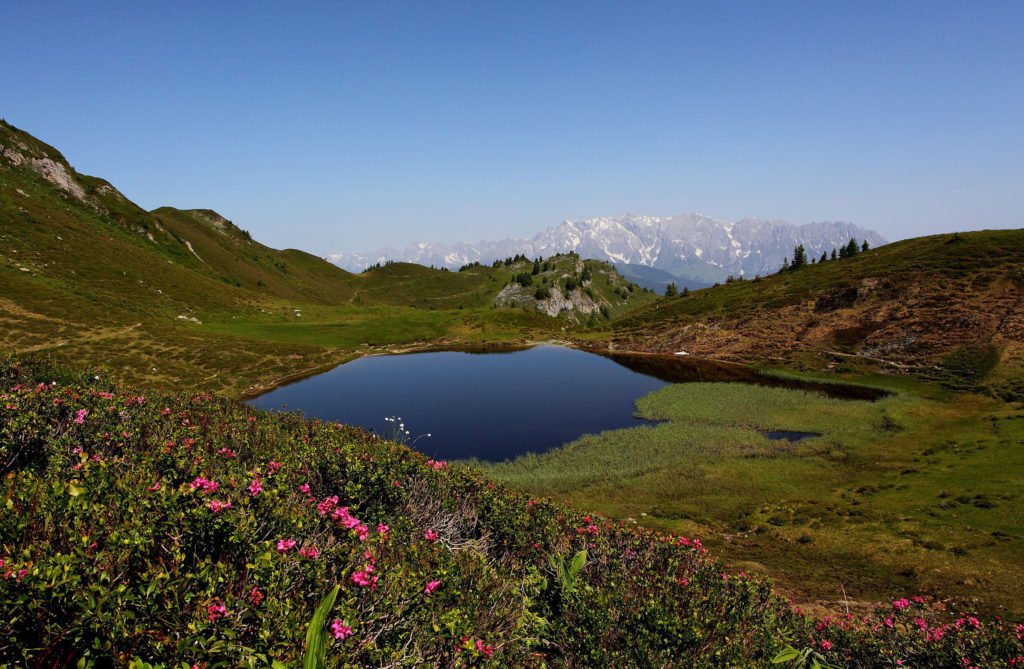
859	508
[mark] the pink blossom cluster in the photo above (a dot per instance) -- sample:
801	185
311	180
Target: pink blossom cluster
437	464
347	520
255	488
217	506
216	610
285	545
430	535
692	543
309	552
227	453
364	577
340	630
431	587
325	506
80	416
204	485
9	571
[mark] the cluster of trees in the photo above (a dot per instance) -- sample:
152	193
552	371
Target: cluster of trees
800	255
672	290
507	262
374	266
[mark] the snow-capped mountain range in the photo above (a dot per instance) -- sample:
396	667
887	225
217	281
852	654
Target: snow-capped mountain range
689	246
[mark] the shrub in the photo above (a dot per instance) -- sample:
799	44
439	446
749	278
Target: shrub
160	530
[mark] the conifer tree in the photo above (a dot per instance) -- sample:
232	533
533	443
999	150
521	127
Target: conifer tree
671	290
799	257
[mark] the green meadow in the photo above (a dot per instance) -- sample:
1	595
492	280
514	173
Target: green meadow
919	492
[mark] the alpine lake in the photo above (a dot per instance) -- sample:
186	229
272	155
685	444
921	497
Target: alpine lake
497	405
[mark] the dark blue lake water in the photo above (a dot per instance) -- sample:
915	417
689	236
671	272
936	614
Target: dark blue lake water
491	406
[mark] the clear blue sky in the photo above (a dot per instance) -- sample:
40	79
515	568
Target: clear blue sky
345	126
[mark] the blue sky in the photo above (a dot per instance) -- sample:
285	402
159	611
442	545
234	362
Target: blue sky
346	126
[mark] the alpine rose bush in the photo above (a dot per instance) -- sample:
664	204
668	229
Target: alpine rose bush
194	531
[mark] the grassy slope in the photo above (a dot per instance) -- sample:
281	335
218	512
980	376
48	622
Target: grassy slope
606	294
115	545
176	297
945	306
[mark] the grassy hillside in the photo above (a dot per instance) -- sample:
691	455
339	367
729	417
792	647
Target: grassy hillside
189	529
175	297
947	306
565	285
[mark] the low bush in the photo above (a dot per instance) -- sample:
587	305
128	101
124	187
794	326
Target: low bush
196	531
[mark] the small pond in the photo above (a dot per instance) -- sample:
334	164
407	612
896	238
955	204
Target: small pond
495	405
491	406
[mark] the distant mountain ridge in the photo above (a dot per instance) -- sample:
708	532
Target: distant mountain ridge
689	246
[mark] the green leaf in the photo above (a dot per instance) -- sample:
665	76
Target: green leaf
786	655
316	635
578	562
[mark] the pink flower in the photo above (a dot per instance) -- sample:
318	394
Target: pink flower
255	597
204	485
309	552
215	611
227	453
255	487
487	650
304	488
900	604
340	630
154	487
165	411
80	416
430	535
437	464
272	466
431	587
217	506
285	545
826	645
382	530
328	503
364	580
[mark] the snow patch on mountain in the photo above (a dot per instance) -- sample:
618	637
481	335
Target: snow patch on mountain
691	246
